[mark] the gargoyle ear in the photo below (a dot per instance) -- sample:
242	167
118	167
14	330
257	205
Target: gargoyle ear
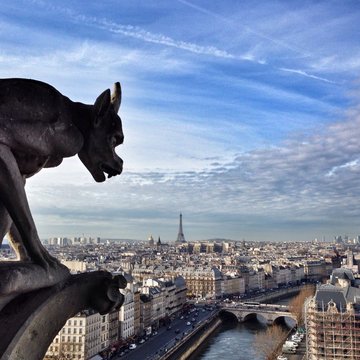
116	96
102	106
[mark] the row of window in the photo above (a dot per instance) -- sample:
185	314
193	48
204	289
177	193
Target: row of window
64	348
74	322
68	330
74	339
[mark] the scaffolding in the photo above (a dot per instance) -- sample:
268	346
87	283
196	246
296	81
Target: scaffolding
332	333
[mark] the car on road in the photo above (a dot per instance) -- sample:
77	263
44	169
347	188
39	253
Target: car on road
289	351
169	327
188	323
141	341
132	346
291	343
177	331
280	357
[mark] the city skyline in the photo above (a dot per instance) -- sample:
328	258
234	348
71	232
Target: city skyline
243	117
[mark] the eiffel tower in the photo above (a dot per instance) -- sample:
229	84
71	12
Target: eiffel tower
180	238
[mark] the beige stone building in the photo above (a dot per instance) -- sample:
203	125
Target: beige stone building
202	282
109	329
157	302
79	339
316	270
137	317
173	292
232	285
126	315
145	314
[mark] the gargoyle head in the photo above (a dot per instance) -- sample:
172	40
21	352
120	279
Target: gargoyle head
98	152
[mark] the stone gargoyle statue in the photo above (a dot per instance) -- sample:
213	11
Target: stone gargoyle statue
39	127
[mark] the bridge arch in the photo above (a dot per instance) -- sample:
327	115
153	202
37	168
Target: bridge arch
254	316
289	320
263	313
228	316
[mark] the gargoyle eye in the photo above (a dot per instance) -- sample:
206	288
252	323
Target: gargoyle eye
116	140
113	141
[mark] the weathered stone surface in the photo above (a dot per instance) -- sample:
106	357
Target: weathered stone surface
18	277
31	320
39	127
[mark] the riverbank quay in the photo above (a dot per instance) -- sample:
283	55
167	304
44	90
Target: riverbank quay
300	350
267	296
192	341
276	295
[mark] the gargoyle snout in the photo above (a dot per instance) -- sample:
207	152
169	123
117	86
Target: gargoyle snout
113	169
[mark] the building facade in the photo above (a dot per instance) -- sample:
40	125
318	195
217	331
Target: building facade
126	315
332	320
202	282
79	339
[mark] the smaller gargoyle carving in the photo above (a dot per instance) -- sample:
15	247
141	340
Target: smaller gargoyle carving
113	299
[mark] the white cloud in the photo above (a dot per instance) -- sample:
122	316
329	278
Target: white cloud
285	184
160	39
304	73
190	105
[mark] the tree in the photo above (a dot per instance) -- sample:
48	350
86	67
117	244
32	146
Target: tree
268	343
296	305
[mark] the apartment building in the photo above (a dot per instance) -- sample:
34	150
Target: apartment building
202	282
316	270
79	339
174	292
145	313
109	329
232	285
180	293
157	304
126	315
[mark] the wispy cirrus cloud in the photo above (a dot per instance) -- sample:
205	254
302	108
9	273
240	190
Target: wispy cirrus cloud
227	114
304	73
136	32
141	34
243	25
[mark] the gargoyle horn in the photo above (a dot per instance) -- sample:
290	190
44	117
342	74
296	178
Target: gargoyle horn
116	96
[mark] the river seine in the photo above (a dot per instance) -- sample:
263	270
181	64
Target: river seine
232	342
235	341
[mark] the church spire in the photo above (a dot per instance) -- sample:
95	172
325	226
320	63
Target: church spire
180	237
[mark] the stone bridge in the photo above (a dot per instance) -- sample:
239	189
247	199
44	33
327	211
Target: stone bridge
271	313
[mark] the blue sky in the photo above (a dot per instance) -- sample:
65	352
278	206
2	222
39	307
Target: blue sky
242	115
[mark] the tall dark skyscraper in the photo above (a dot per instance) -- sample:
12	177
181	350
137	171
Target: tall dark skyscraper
180	238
